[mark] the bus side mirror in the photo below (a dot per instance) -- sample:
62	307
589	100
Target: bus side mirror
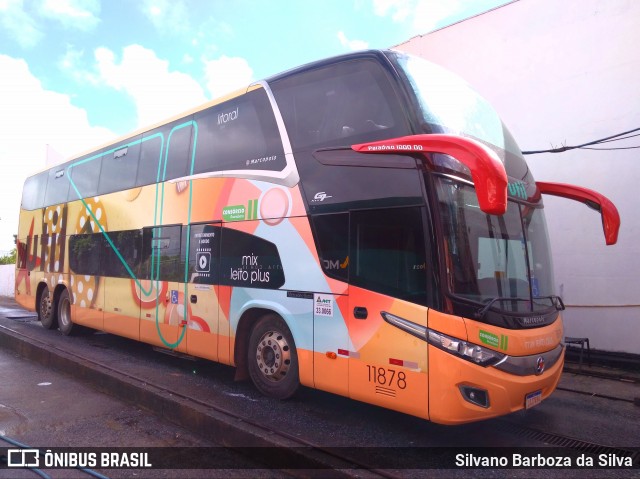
487	171
593	199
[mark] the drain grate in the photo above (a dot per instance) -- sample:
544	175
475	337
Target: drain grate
558	440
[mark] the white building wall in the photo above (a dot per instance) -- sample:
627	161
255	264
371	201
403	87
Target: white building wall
565	73
7	279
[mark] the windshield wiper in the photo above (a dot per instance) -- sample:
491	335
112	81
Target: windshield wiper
481	312
556	302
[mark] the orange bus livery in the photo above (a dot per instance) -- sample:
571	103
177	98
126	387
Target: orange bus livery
365	225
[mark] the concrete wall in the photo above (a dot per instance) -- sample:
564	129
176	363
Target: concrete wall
565	73
7	279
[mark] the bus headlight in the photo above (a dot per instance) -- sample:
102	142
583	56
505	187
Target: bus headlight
463	349
469	351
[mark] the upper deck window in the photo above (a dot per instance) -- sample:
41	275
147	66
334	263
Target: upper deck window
338	104
119	166
239	134
57	187
33	191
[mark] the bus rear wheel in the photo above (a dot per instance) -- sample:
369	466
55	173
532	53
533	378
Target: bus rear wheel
45	310
273	360
65	324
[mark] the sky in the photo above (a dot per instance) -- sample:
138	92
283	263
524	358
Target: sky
75	74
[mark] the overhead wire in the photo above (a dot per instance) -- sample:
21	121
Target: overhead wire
609	149
608	139
621	138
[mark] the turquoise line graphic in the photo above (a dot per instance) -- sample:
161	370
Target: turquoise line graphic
159	207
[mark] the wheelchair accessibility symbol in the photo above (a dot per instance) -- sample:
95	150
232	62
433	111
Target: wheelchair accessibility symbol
174	296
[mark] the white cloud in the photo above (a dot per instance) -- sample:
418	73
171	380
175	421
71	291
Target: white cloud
352	44
18	24
227	74
423	15
187	22
207	35
26	28
71	64
80	14
30	118
156	91
398	9
167	16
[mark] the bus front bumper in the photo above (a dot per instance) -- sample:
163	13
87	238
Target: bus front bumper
462	392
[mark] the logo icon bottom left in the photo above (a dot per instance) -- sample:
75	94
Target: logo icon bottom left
23	458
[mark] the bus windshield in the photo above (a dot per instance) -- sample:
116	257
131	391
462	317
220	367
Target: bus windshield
449	105
504	259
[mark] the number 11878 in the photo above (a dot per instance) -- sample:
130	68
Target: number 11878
387	377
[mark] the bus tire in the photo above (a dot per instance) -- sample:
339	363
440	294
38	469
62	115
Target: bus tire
65	324
45	310
273	359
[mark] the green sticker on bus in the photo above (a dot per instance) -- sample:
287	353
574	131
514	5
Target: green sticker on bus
518	189
490	339
233	213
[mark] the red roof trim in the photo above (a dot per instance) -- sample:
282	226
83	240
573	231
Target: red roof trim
487	171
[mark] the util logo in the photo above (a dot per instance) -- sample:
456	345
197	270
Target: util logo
321	196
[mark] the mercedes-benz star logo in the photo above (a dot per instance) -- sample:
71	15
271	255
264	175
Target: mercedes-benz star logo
540	365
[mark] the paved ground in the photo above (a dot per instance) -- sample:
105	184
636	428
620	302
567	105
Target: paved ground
44	408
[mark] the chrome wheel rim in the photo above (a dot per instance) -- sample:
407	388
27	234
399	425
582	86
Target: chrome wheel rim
273	356
45	306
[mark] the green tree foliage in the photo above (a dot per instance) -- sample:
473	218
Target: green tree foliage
9	258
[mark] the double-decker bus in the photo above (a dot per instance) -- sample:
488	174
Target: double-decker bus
365	225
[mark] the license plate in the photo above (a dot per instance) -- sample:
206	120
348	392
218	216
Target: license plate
533	399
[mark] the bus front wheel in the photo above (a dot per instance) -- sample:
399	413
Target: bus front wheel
273	360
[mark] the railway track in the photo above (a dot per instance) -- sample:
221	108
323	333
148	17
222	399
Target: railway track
610	376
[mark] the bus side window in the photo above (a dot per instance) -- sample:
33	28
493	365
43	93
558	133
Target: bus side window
388	253
332	240
85	251
33	191
161	253
165	152
57	186
178	147
344	103
125	253
239	134
85	174
119	167
150	158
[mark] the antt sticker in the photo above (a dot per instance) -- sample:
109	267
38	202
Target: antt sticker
323	305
